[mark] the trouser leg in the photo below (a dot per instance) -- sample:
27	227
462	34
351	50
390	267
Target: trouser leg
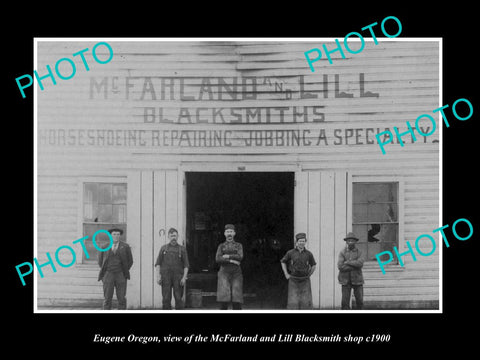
178	291
121	290
167	285
108	286
223	305
358	293
346	291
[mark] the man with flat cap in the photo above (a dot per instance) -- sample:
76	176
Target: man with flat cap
115	267
230	279
350	263
172	269
298	265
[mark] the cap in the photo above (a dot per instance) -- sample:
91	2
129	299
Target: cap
230	227
351	235
300	236
171	230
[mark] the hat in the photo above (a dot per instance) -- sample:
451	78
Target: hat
300	236
351	235
116	229
230	227
171	230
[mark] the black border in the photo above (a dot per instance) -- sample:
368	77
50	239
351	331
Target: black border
410	333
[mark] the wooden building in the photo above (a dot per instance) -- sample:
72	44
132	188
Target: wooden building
193	134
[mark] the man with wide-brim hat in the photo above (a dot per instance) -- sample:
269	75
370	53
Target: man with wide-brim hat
115	265
350	276
298	265
230	279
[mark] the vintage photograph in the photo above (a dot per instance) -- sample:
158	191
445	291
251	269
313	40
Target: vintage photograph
215	174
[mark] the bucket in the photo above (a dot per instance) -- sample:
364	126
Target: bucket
195	298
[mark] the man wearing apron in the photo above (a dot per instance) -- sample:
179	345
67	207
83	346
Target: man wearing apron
172	269
298	265
230	279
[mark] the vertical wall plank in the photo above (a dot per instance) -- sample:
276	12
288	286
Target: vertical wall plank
182	207
159	219
134	238
340	228
314	236
327	237
301	202
147	239
171	199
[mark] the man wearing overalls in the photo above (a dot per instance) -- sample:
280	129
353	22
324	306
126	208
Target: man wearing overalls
172	269
230	279
298	265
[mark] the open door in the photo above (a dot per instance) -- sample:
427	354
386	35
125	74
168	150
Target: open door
260	205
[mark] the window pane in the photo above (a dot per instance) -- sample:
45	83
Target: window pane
375	238
103	213
88	212
360	213
104	207
104	193
382	213
363	248
90	196
388	233
388	246
119	194
360	193
375	217
90	193
373	249
119	213
382	192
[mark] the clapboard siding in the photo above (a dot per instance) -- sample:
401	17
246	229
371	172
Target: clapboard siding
57	217
426	162
117	95
418	280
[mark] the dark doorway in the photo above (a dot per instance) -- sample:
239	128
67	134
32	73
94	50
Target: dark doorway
260	205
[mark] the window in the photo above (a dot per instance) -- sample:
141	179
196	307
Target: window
104	207
375	216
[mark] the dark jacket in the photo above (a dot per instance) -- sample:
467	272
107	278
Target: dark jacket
126	258
351	273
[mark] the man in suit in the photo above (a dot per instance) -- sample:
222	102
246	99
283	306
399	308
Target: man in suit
115	267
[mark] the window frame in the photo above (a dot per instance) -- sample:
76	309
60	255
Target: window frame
80	210
362	178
